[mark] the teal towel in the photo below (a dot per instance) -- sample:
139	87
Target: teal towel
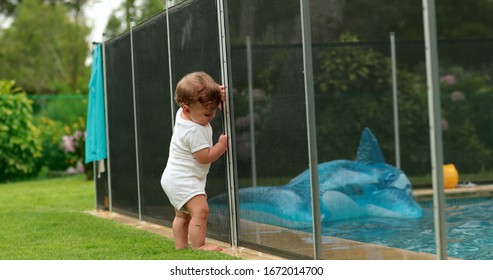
95	148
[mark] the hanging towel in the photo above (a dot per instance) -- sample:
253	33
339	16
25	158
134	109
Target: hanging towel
95	148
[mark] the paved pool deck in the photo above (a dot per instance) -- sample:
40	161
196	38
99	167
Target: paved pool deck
465	192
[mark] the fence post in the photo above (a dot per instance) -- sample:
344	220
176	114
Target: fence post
132	24
435	119
311	125
172	100
394	94
227	111
108	165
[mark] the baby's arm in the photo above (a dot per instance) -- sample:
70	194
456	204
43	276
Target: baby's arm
209	155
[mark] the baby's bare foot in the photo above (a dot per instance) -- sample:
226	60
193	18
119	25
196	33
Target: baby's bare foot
210	247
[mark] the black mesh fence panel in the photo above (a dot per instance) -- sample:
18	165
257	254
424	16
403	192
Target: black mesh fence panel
467	107
194	39
353	91
466	87
121	128
270	208
195	47
154	125
102	187
353	88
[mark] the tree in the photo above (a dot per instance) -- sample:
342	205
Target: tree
120	19
455	19
46	37
7	7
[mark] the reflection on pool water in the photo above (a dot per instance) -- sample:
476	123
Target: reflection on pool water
469	230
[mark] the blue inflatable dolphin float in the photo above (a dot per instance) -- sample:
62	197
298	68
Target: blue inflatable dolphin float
348	189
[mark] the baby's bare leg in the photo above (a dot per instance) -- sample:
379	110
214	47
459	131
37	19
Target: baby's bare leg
199	211
180	230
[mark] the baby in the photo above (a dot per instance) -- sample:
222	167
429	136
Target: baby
191	153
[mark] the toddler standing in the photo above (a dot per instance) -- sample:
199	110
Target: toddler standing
191	153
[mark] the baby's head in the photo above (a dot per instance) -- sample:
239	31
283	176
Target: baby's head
198	87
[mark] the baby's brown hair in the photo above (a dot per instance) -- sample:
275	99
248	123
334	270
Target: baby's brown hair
198	87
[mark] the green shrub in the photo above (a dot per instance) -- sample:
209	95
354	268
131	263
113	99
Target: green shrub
467	115
69	109
353	85
19	138
64	108
53	157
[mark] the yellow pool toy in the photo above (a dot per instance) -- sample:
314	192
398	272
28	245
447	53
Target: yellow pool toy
450	176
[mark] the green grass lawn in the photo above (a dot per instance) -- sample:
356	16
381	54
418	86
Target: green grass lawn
45	220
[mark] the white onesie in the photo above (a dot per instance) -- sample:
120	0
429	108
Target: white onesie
183	178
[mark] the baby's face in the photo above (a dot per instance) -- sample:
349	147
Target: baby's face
201	115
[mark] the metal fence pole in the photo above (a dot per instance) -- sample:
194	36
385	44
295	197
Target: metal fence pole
311	125
108	165
132	24
227	112
434	110
171	95
394	94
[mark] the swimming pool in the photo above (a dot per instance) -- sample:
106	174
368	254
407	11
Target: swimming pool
469	230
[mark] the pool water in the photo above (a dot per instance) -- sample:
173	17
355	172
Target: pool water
469	230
